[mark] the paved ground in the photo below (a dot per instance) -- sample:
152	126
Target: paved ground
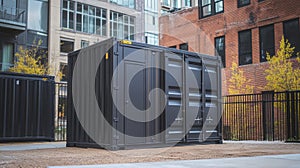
274	161
32	146
55	154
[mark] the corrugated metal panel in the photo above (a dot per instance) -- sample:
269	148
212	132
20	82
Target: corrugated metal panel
140	68
27	107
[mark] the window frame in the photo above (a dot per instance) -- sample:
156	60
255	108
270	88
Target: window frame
297	42
217	53
85	27
241	54
66	40
213	8
125	21
184	44
69	12
242	5
260	43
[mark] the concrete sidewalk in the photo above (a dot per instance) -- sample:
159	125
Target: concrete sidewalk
274	161
32	146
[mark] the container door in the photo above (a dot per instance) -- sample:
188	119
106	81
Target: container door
135	93
174	90
194	108
212	111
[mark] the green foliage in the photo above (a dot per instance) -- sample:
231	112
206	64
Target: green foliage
281	76
238	82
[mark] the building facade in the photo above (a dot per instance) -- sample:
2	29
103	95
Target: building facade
152	13
22	23
240	31
169	6
75	24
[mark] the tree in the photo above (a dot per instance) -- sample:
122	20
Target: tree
281	75
238	84
238	113
30	61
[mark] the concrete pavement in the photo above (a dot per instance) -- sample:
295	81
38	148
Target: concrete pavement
274	161
32	146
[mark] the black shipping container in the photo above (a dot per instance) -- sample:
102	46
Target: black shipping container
125	79
26	107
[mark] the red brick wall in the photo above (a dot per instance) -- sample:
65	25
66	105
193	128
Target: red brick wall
184	26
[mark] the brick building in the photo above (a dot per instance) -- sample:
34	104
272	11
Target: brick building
240	31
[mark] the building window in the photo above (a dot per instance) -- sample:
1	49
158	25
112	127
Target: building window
188	3
184	46
220	48
38	15
242	3
245	47
66	46
64	70
292	34
211	7
266	42
126	3
90	19
151	38
6	56
84	43
68	14
174	46
122	26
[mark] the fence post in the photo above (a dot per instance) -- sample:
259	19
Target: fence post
288	117
268	114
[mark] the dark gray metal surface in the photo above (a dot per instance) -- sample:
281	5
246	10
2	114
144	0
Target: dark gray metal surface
141	68
26	107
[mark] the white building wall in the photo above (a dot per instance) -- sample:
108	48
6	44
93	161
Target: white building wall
57	32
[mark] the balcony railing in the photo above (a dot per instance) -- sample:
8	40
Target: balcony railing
13	15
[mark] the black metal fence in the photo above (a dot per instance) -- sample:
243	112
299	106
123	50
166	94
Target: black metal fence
61	109
266	116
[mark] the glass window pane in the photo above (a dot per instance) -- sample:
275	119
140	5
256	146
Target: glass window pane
104	29
243	2
65	19
219	6
79	22
132	20
98	12
66	46
91	25
266	42
38	15
71	20
71	5
104	13
65	4
85	9
79	7
291	32
206	2
245	47
85	23
131	33
206	10
220	48
92	10
184	46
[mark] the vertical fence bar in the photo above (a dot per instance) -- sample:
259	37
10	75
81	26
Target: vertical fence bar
61	109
